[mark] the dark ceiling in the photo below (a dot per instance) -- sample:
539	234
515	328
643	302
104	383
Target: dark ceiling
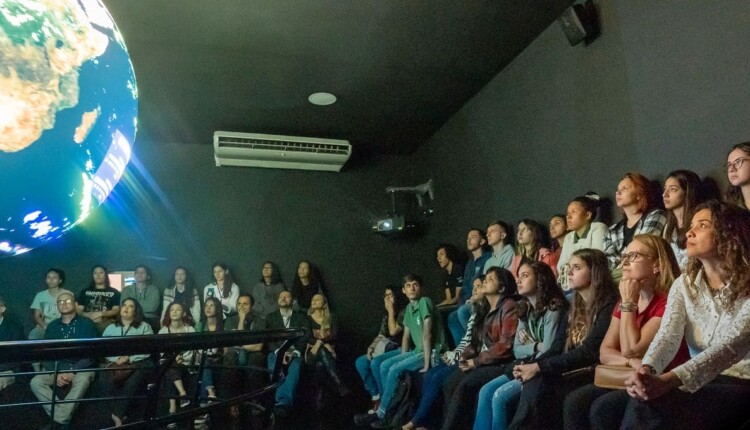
399	68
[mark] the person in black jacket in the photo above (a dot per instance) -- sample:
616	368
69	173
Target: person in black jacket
287	317
547	381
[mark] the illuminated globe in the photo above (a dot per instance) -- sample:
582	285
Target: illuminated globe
68	108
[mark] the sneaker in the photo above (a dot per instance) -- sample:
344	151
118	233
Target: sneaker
201	420
374	407
184	403
365	419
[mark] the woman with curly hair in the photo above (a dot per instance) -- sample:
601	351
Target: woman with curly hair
545	382
542	311
710	306
738	173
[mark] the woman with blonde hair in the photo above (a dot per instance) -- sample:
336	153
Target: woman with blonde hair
649	268
320	344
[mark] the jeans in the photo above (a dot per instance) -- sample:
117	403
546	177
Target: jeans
369	371
285	391
391	369
458	320
432	387
497	402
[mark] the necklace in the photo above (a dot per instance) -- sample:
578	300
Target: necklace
67	330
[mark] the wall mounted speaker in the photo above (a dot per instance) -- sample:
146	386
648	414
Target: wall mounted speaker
580	23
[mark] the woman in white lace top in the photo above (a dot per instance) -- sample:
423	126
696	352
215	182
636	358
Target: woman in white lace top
710	306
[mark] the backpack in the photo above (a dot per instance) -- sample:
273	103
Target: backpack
405	400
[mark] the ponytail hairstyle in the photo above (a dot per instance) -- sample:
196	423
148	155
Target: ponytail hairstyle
734	194
590	202
691	183
583	315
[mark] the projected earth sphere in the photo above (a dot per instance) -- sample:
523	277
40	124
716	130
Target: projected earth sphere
68	108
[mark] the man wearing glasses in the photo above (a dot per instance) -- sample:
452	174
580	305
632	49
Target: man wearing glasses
69	384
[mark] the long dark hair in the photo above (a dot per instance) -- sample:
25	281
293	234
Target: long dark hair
226	288
452	253
549	295
219	313
92	285
190	290
605	294
732	235
313	276
137	318
399	299
734	194
508	288
187	319
541	238
275	273
691	183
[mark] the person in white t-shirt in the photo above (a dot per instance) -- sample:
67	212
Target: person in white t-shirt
44	306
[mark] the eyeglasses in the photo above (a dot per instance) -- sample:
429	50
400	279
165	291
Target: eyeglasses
633	255
736	164
65	301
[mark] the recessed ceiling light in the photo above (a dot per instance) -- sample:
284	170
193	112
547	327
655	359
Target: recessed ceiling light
322	99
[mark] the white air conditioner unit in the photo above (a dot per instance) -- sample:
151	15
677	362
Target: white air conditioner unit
280	152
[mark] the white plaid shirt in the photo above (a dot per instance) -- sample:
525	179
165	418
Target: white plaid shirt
651	223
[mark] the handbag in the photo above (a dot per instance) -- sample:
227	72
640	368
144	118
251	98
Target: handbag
384	345
609	376
121	372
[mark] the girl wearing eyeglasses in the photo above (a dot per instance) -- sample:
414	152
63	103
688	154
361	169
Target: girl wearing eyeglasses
648	269
710	306
545	382
738	173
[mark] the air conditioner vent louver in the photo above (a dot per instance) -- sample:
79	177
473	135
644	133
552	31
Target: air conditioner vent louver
289	152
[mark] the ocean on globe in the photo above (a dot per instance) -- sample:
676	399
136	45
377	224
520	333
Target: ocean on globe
68	116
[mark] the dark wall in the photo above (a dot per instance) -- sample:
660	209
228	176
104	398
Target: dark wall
665	87
175	207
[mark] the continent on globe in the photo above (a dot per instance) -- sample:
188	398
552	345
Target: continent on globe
42	50
88	119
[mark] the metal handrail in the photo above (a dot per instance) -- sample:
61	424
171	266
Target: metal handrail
169	345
